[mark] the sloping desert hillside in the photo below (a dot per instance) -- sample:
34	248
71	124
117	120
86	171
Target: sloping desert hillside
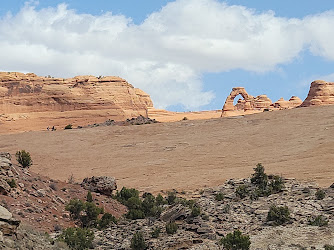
187	155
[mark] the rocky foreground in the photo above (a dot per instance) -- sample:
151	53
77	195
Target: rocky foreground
40	203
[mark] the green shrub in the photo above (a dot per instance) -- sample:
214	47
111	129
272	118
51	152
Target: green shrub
135	214
86	213
171	198
134	203
171	228
75	207
160	200
329	247
195	211
23	158
90	216
259	178
77	238
126	193
319	221
279	215
89	197
242	191
12	183
106	220
69	126
138	241
219	196
156	232
320	194
235	240
276	184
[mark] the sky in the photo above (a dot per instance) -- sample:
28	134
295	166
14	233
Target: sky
187	54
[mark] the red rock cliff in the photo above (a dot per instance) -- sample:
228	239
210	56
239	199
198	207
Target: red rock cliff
321	93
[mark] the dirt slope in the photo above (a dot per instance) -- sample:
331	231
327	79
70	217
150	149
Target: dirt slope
187	155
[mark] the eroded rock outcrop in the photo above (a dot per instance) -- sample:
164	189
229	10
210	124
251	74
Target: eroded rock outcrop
321	93
102	184
29	93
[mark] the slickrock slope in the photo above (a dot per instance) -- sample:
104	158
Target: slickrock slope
321	93
37	102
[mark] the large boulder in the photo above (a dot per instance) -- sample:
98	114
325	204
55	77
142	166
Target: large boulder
174	213
8	224
102	184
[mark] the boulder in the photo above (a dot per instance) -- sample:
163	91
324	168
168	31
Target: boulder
4	186
102	184
8	224
174	213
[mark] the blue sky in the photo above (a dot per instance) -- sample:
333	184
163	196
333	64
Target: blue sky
186	54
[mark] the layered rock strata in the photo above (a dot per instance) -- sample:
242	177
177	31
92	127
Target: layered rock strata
321	93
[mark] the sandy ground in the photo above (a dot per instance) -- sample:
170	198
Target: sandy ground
188	155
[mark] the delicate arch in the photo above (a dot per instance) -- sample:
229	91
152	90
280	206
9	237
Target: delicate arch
228	106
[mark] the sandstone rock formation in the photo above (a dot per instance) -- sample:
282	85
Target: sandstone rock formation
28	93
321	93
248	104
102	184
78	99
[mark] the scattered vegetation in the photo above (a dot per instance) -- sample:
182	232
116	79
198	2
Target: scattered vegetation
319	221
69	126
219	196
278	215
195	211
329	247
89	197
235	240
320	194
171	228
23	158
138	241
242	191
156	232
77	238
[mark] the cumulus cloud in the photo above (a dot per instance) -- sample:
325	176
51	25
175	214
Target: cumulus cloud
165	55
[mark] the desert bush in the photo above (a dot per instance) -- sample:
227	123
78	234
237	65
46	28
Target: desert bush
195	211
12	183
138	241
89	197
226	209
219	196
279	215
23	158
86	213
320	194
106	220
329	247
319	221
77	238
185	118
160	200
135	214
171	198
171	228
242	191
276	184
156	232
69	126
125	194
259	178
90	216
235	240
75	207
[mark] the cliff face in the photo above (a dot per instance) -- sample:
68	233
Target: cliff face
20	93
321	93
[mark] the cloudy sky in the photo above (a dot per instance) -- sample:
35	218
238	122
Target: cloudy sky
187	54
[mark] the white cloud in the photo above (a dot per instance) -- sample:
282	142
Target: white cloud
166	54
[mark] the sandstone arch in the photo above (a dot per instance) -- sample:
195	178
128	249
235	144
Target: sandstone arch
247	104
